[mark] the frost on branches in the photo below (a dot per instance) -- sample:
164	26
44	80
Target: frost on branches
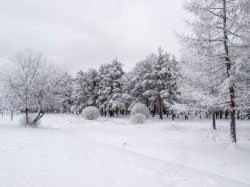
32	85
220	43
154	82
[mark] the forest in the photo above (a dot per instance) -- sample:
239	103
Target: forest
210	80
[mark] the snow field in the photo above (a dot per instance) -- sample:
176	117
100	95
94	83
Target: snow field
67	150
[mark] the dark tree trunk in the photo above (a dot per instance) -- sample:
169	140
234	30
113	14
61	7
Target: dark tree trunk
232	115
154	111
238	114
228	66
173	116
207	115
27	116
147	102
160	107
226	114
214	120
38	117
11	115
217	115
221	113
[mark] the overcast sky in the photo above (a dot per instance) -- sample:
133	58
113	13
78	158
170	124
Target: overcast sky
82	34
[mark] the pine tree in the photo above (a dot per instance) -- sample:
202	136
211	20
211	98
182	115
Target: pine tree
154	82
65	93
110	88
171	93
91	87
78	97
140	77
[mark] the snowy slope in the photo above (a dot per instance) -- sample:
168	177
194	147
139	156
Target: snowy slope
69	151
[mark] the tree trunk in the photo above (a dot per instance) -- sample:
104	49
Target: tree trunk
154	111
214	120
160	106
11	115
38	117
217	114
221	113
27	116
226	114
228	66
173	116
232	115
238	114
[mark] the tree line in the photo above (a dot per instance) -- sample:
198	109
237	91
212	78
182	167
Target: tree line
153	82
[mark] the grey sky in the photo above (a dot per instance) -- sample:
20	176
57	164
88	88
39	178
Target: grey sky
82	34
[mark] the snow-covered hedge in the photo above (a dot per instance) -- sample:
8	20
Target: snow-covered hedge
138	118
140	108
90	113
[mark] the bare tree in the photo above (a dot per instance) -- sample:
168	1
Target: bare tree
34	82
220	31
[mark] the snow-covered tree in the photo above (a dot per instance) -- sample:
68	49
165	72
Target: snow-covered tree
91	87
78	97
110	88
126	97
2	107
170	93
65	94
155	82
138	81
9	102
33	82
220	38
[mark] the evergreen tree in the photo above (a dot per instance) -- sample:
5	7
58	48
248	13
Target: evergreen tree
66	89
155	82
91	87
140	77
78	97
110	88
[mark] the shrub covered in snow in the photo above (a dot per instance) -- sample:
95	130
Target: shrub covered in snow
138	118
90	113
140	108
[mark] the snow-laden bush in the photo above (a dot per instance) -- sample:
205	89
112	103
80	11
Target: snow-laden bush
140	108
90	113
138	118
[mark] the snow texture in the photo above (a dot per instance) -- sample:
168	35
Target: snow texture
140	108
66	150
138	118
90	113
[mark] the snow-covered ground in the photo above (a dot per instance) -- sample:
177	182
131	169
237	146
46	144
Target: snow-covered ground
68	151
